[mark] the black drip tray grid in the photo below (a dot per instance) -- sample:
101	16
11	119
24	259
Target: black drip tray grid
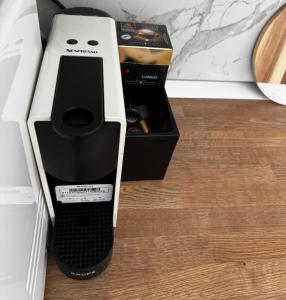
83	238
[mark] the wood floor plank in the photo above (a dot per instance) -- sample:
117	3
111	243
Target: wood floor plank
215	228
202	194
173	222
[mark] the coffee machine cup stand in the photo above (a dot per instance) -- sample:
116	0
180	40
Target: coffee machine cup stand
77	126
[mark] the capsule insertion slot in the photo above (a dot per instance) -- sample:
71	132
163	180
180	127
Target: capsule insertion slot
79	97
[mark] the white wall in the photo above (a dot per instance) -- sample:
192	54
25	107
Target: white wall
212	39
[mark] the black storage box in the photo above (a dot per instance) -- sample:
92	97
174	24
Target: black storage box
147	156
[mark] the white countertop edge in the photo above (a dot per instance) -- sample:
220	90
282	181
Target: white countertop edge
213	90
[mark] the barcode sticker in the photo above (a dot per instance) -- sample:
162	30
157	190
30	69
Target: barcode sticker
84	193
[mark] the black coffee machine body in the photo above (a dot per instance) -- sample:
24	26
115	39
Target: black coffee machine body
77	126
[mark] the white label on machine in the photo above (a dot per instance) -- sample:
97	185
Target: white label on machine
84	193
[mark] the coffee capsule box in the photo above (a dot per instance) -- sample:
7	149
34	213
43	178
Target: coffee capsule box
145	53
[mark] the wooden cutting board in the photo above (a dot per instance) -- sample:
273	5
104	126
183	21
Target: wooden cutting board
269	56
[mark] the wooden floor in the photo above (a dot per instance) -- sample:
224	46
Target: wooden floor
215	228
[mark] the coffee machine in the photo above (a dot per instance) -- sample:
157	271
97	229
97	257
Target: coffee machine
77	126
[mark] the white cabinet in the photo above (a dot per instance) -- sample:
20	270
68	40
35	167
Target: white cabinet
23	216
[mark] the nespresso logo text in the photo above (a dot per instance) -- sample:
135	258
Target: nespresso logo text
149	76
81	51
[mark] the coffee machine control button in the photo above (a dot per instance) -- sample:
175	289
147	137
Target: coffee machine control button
72	41
93	43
